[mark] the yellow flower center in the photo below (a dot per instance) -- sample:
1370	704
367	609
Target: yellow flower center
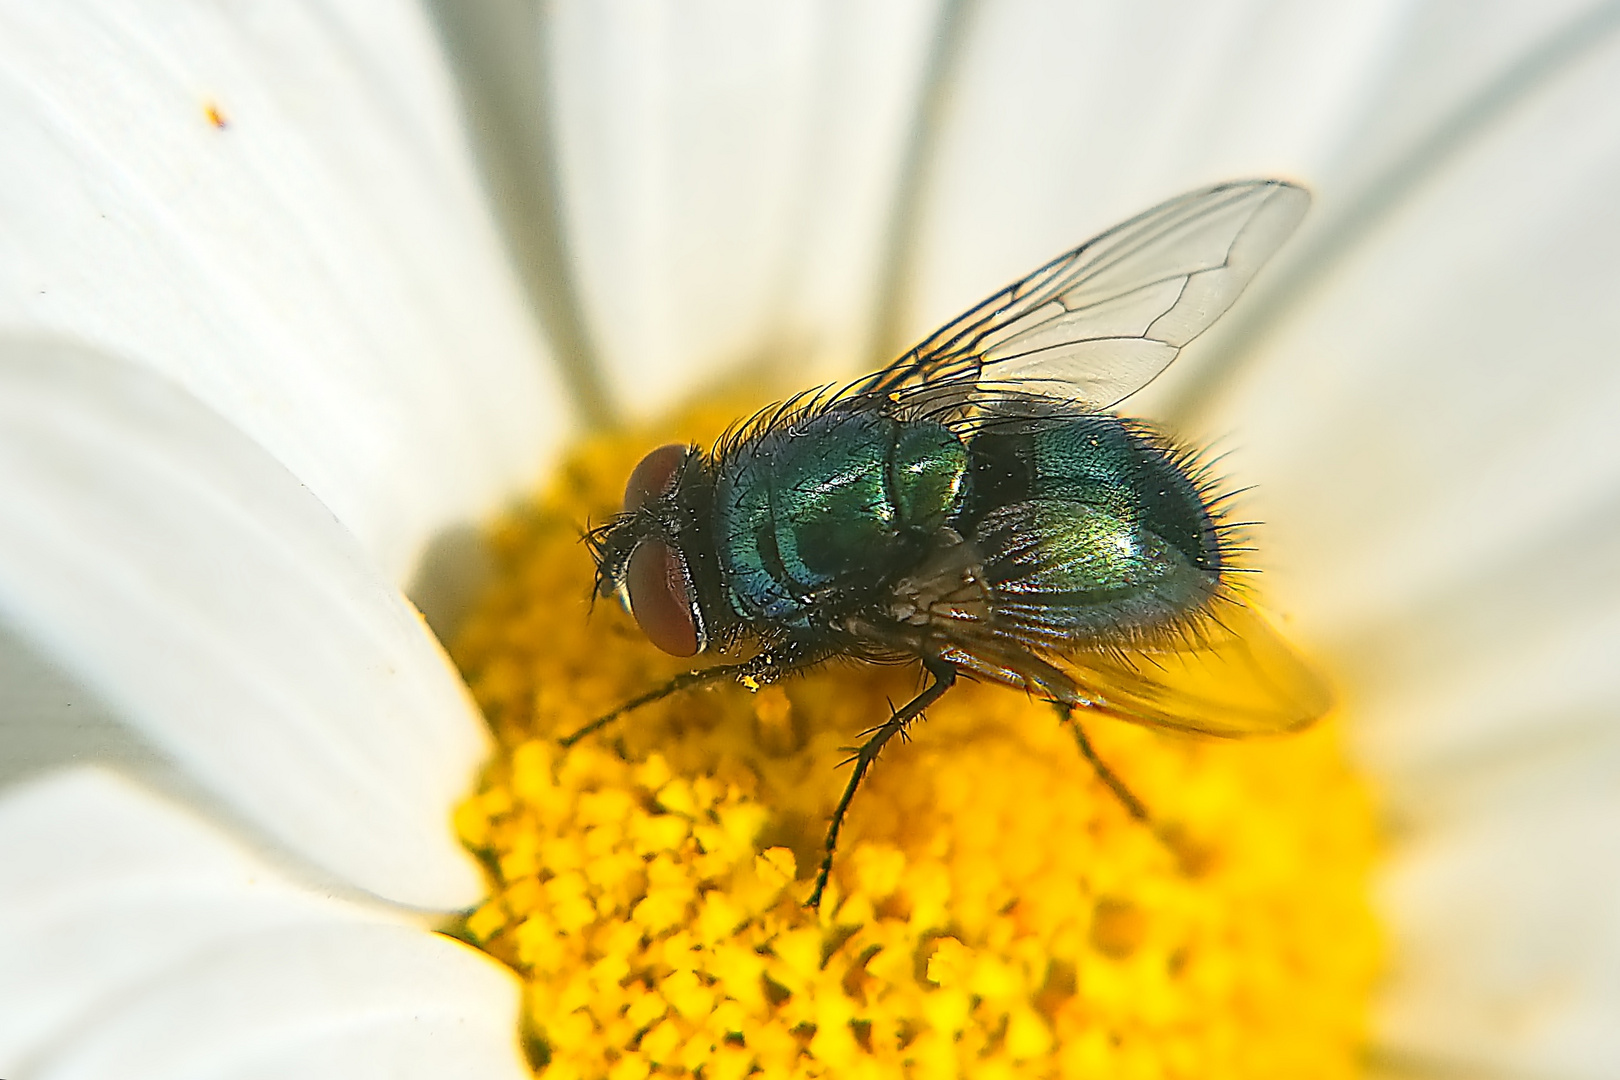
993	911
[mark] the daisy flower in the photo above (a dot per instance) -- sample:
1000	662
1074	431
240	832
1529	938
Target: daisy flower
296	296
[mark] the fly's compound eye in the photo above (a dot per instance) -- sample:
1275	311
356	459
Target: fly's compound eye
659	587
661	597
654	476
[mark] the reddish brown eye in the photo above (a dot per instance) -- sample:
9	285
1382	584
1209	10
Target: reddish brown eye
653	477
661	598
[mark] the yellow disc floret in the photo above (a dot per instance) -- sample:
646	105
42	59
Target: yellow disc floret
993	912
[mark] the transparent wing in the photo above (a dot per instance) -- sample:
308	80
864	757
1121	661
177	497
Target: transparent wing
1228	672
1241	678
1244	679
1096	325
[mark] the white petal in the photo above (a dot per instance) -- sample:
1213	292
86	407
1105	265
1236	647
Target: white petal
49	719
727	170
1434	437
1442	69
320	269
134	942
311	1003
1438	464
212	601
1507	949
1068	118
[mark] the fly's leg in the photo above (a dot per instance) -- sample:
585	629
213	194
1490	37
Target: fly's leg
944	678
674	686
1191	855
1127	799
767	667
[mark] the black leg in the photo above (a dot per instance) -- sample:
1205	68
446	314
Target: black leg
674	686
944	678
767	667
1131	803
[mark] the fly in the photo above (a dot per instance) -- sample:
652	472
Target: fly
978	508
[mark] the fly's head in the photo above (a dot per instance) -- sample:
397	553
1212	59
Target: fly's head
657	556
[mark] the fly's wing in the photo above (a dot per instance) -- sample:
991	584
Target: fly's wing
1240	678
1096	325
1229	674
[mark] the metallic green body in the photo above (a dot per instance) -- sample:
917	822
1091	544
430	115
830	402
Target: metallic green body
1090	527
828	507
1085	524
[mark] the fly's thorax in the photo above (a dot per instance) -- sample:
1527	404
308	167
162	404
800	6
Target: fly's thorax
1092	528
928	470
814	515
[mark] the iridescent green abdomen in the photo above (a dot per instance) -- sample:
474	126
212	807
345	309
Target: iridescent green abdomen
1089	526
829	506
